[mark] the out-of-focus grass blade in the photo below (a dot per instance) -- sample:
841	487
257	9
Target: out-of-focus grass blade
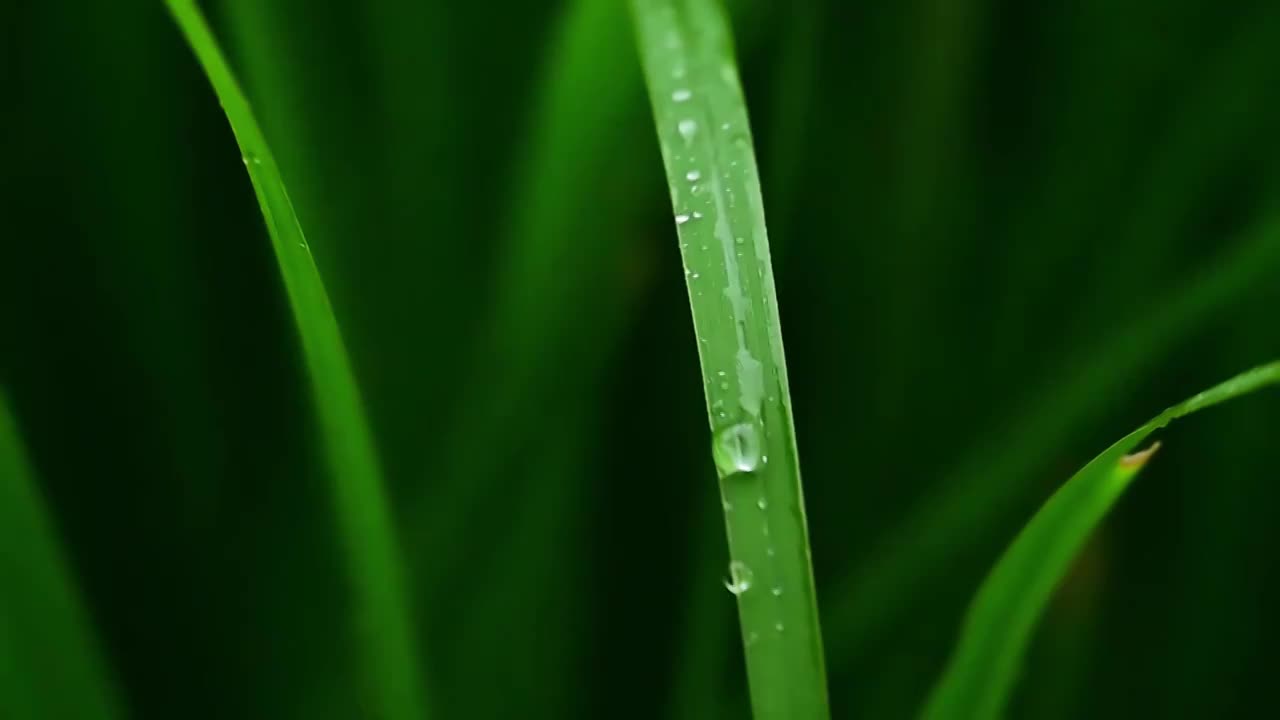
981	673
528	352
49	661
984	486
386	635
706	144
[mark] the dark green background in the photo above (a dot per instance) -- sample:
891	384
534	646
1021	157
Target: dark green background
970	201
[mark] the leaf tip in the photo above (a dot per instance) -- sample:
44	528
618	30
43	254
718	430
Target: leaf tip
1135	461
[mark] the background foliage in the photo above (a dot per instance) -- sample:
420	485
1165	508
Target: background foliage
1004	234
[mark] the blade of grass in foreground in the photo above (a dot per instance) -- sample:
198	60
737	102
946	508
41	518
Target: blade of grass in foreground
706	147
49	661
385	631
981	673
986	485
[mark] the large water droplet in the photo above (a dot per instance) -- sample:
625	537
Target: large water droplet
740	577
736	449
692	176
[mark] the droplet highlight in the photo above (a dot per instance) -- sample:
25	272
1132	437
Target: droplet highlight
688	128
737	449
740	577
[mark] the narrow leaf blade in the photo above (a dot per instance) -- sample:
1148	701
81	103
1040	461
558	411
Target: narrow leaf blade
710	162
49	659
386	635
981	673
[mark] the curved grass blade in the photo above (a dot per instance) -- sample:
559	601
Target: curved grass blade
984	488
715	190
49	661
386	635
981	673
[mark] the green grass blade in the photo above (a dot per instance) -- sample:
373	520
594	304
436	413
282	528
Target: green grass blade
982	671
49	661
385	629
711	168
985	486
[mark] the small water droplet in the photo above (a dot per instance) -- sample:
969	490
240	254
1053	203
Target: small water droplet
768	551
762	503
697	215
692	175
736	449
682	219
687	128
740	577
695	276
681	95
778	627
777	591
728	506
739	240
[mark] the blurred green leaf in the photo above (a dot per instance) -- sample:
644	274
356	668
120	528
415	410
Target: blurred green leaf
50	666
984	667
987	483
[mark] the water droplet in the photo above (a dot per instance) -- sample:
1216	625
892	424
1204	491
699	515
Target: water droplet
762	503
697	215
692	175
739	240
740	577
682	219
687	129
777	591
695	276
778	627
728	506
768	551
681	95
736	449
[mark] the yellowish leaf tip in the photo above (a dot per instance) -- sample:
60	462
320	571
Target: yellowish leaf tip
1135	461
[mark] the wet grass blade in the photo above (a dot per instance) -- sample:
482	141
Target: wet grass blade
715	190
982	670
49	661
386	636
